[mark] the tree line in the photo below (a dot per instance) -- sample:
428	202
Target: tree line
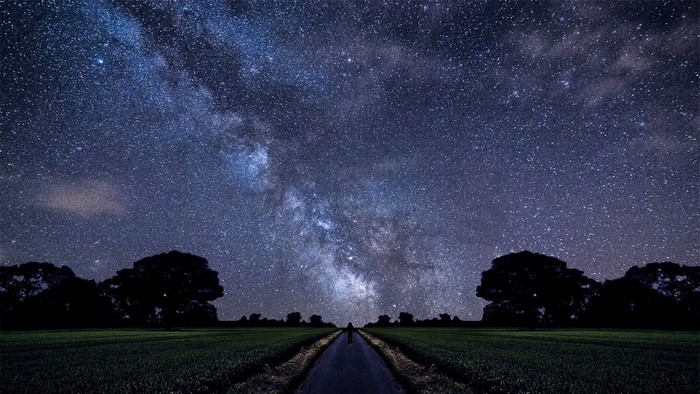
530	289
294	319
406	319
524	289
165	290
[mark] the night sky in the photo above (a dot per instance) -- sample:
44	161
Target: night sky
349	159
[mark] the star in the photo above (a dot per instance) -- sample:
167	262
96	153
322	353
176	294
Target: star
374	161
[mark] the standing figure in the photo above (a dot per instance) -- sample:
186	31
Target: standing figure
349	328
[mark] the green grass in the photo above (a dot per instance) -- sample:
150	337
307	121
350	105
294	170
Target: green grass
557	361
142	361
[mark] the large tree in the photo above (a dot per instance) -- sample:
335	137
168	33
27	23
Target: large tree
655	295
680	282
530	288
42	295
20	282
74	302
169	288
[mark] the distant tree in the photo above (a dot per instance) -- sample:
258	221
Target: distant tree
168	289
254	319
383	321
530	288
316	321
294	319
445	319
405	319
273	323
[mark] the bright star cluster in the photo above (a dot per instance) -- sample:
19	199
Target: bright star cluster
349	159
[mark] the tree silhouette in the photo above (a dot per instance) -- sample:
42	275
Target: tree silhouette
445	319
316	321
530	288
41	295
405	319
254	319
664	295
20	282
74	302
679	282
169	288
625	302
383	321
294	319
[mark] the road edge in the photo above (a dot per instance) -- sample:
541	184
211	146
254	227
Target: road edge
414	377
285	377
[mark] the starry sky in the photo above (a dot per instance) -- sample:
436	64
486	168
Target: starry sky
349	159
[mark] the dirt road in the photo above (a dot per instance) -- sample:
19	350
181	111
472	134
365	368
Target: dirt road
349	368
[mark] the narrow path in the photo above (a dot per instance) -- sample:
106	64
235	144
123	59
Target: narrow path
349	368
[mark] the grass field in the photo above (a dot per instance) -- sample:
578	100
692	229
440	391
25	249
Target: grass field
142	361
557	361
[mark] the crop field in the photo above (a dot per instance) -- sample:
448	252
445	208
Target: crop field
142	361
557	361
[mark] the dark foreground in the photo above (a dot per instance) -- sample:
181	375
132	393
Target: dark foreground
349	368
557	361
205	360
140	361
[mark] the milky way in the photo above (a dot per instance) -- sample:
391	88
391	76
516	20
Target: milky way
349	159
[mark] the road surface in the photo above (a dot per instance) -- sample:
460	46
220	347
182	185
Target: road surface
353	368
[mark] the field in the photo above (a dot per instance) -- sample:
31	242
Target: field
142	361
557	361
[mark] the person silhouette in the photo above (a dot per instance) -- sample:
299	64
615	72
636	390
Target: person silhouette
349	328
